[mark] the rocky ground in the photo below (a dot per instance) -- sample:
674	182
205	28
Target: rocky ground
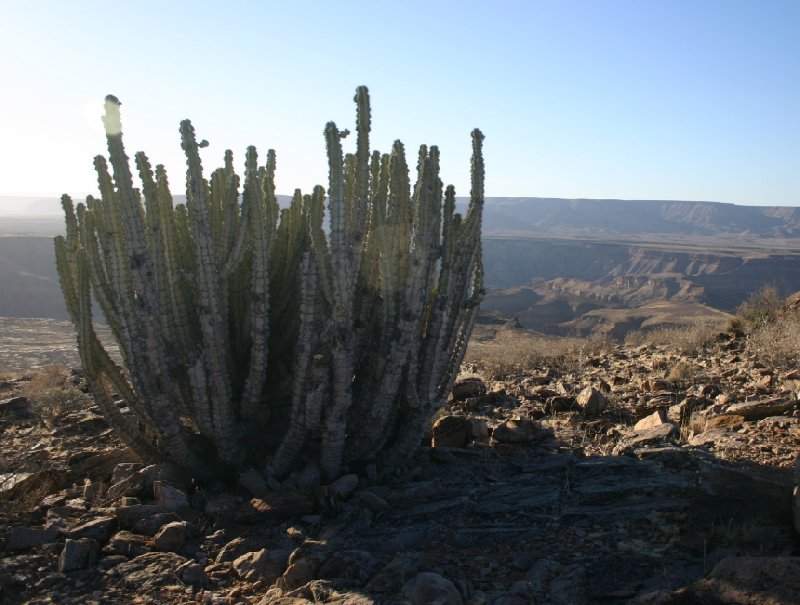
598	484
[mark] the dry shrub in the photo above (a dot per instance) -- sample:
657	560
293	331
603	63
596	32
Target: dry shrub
51	394
683	374
688	340
762	308
511	354
778	344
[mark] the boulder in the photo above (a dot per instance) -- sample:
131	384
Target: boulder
756	410
451	431
265	565
25	538
521	430
655	419
469	387
591	401
170	537
78	554
170	499
100	529
428	587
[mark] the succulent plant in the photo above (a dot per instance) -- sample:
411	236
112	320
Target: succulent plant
257	336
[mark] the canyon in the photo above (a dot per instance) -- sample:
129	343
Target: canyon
552	265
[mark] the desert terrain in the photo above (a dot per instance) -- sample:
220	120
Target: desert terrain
622	431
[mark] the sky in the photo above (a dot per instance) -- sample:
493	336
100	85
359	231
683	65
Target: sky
645	99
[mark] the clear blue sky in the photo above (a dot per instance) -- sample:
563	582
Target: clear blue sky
645	99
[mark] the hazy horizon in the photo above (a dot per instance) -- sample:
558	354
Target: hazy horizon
49	206
614	99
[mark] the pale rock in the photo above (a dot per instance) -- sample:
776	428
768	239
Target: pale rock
129	486
591	401
756	410
655	419
265	565
728	422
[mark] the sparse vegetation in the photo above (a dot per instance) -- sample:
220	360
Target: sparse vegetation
255	337
762	308
51	394
687	340
513	352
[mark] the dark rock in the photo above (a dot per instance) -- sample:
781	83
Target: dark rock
428	587
265	565
751	581
372	501
520	431
353	566
560	403
25	538
344	486
149	571
130	515
470	387
78	554
658	435
451	431
132	485
123	470
303	568
395	574
149	526
99	529
171	537
275	505
235	549
129	544
169	498
193	574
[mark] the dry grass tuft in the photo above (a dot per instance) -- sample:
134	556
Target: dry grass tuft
515	352
687	340
52	394
778	344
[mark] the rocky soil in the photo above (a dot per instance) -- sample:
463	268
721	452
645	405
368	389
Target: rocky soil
601	484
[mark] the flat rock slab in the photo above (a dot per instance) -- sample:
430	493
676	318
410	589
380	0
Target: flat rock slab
504	499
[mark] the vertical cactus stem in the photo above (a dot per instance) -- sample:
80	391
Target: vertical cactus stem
295	436
336	197
213	325
71	220
360	204
259	292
